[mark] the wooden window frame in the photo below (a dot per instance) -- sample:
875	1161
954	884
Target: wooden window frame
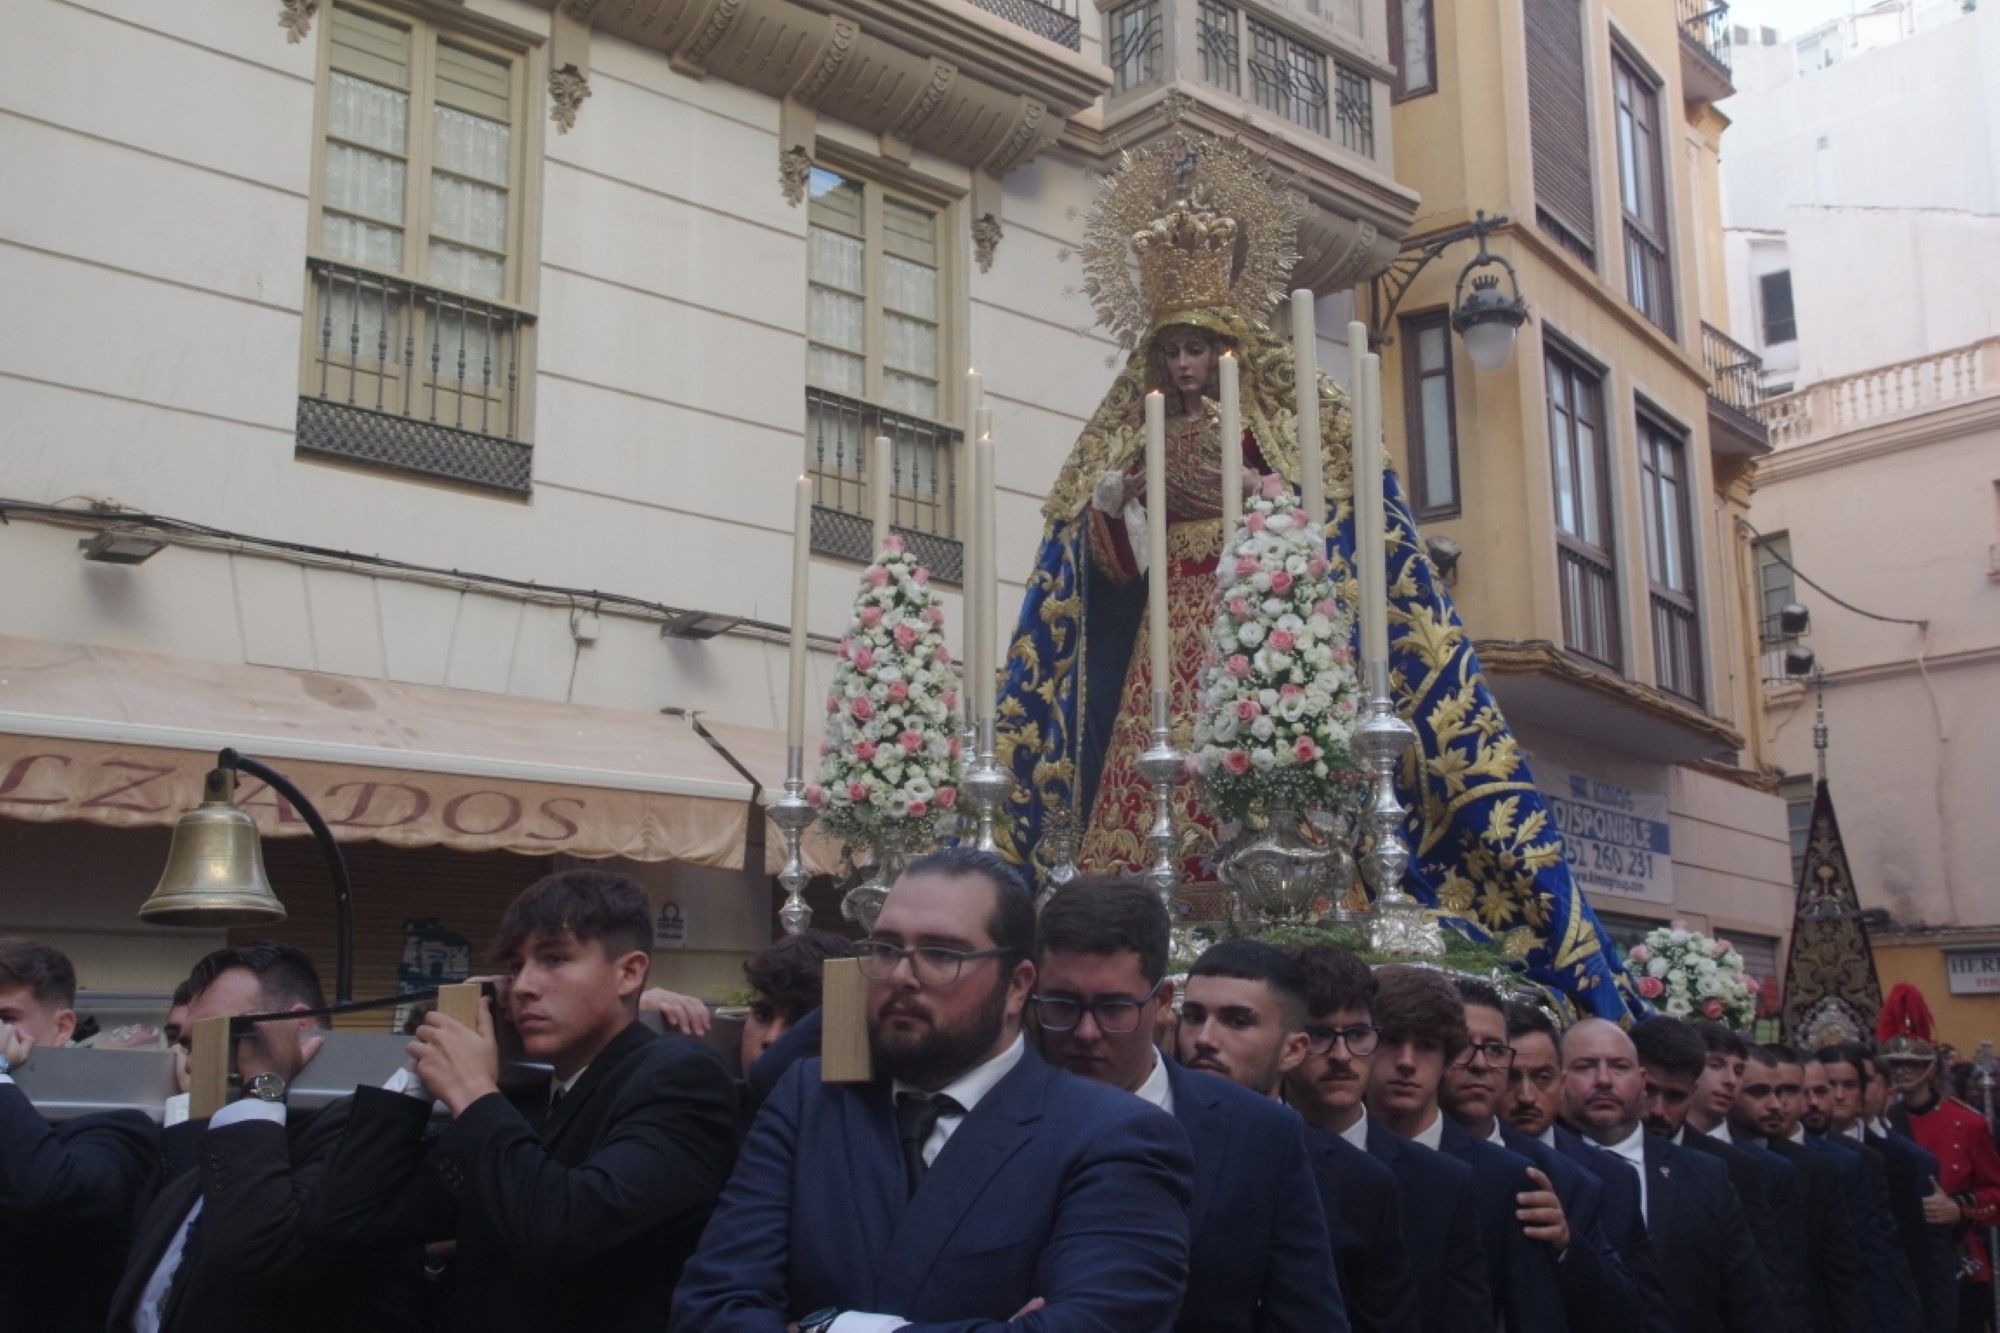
1582	370
1400	90
1411	327
1654	227
1659	438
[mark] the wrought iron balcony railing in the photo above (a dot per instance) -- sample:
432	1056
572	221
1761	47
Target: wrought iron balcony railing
416	378
1735	381
923	481
1705	27
1057	20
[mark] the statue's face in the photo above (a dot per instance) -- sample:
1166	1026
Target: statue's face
1189	355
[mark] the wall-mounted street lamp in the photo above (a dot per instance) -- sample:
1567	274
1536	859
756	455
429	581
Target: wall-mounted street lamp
215	875
1486	317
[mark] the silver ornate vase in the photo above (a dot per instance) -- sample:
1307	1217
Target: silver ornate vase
1288	872
893	843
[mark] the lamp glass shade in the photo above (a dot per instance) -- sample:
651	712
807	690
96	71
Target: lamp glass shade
1489	342
215	874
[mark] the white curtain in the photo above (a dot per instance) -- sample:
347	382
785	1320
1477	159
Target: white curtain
836	318
365	176
469	202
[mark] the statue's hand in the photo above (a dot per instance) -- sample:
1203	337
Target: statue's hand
1109	495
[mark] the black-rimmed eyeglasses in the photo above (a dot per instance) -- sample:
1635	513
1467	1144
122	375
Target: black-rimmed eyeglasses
1115	1016
1360	1039
930	964
1498	1054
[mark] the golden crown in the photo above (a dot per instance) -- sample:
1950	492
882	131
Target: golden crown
1187	223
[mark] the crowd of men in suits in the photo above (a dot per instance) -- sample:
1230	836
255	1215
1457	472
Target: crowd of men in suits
1056	1137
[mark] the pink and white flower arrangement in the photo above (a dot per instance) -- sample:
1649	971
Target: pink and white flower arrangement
891	756
1686	974
1279	692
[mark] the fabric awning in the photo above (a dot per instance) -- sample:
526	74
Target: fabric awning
762	753
125	739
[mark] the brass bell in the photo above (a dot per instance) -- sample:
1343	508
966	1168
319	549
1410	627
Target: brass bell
215	868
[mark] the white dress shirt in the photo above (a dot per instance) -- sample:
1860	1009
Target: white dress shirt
1633	1150
1721	1131
1156	1089
968	1090
1357	1133
1548	1135
1431	1135
1493	1135
1798	1134
1856	1132
146	1318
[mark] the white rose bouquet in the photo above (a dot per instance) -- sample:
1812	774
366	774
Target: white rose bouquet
1689	975
890	757
1279	693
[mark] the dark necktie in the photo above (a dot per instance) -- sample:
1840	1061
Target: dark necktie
916	1116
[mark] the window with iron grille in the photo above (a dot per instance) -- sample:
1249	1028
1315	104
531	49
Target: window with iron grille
416	344
1642	183
1428	410
1584	542
1774	296
1288	78
1132	45
1354	108
1666	487
1221	46
1412	39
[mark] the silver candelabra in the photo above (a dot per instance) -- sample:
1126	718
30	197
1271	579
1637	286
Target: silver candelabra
1396	924
1163	767
794	814
988	786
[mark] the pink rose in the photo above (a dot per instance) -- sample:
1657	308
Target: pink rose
951	699
918	809
1254	520
1752	984
815	795
1677	924
910	740
871	616
832	703
861	708
1719	947
1326	606
1272	486
1247	710
864	750
1238	666
1305	750
1236	762
921	577
933	615
1341	652
876	576
1651	988
864	659
1282	641
893	544
1317	567
1281	583
1246	565
898	692
846	648
857	791
953	747
1640	954
942	655
1239	608
1192	766
947	796
906	637
1290	691
1712	1008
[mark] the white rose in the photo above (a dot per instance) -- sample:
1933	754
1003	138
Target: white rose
1263	728
1263	760
1250	635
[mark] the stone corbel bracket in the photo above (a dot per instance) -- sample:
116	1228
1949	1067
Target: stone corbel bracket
569	66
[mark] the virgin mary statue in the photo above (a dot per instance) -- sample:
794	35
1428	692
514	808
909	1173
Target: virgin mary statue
1185	254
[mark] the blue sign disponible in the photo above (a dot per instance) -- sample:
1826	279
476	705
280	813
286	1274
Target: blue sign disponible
1618	842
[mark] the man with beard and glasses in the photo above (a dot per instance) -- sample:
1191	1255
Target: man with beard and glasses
1259	1259
1767	1109
1708	1268
969	1184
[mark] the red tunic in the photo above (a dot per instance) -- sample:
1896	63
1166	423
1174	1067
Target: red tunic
1968	1170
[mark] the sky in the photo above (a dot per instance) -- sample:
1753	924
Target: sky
1790	17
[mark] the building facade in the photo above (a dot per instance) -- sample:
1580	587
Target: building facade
410	394
1586	493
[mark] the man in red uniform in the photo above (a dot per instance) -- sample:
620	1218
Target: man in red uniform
1967	1193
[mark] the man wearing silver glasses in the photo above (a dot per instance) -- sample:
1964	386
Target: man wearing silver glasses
1260	1257
970	1183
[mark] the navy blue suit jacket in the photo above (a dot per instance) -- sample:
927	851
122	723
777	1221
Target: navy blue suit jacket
1526	1292
1359	1195
1441	1233
1623	1224
1708	1264
1932	1260
1833	1263
1783	1264
1259	1255
1053	1187
800	1042
1892	1297
1597	1291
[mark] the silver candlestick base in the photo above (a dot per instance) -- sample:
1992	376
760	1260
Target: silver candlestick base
1163	767
794	814
1396	924
989	787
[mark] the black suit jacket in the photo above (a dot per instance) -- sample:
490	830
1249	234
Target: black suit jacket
1622	1223
1782	1260
249	1266
1598	1293
800	1042
1892	1294
1527	1295
1441	1233
67	1196
1708	1263
577	1220
1933	1262
1359	1195
1259	1256
1833	1264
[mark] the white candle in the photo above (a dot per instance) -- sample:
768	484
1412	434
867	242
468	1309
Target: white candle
968	652
795	721
1156	534
1232	448
879	468
1305	357
1370	529
986	592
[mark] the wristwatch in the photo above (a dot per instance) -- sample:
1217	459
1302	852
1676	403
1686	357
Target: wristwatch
819	1321
266	1087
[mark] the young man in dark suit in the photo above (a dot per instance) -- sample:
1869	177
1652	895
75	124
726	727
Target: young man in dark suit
1768	1104
1892	1296
66	1191
1708	1268
1423	1033
1259	1256
970	1183
574	1201
1912	1177
224	1246
1393	1255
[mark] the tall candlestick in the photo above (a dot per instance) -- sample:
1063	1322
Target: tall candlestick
795	719
1305	359
879	495
975	398
986	594
1227	372
1370	535
1156	534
